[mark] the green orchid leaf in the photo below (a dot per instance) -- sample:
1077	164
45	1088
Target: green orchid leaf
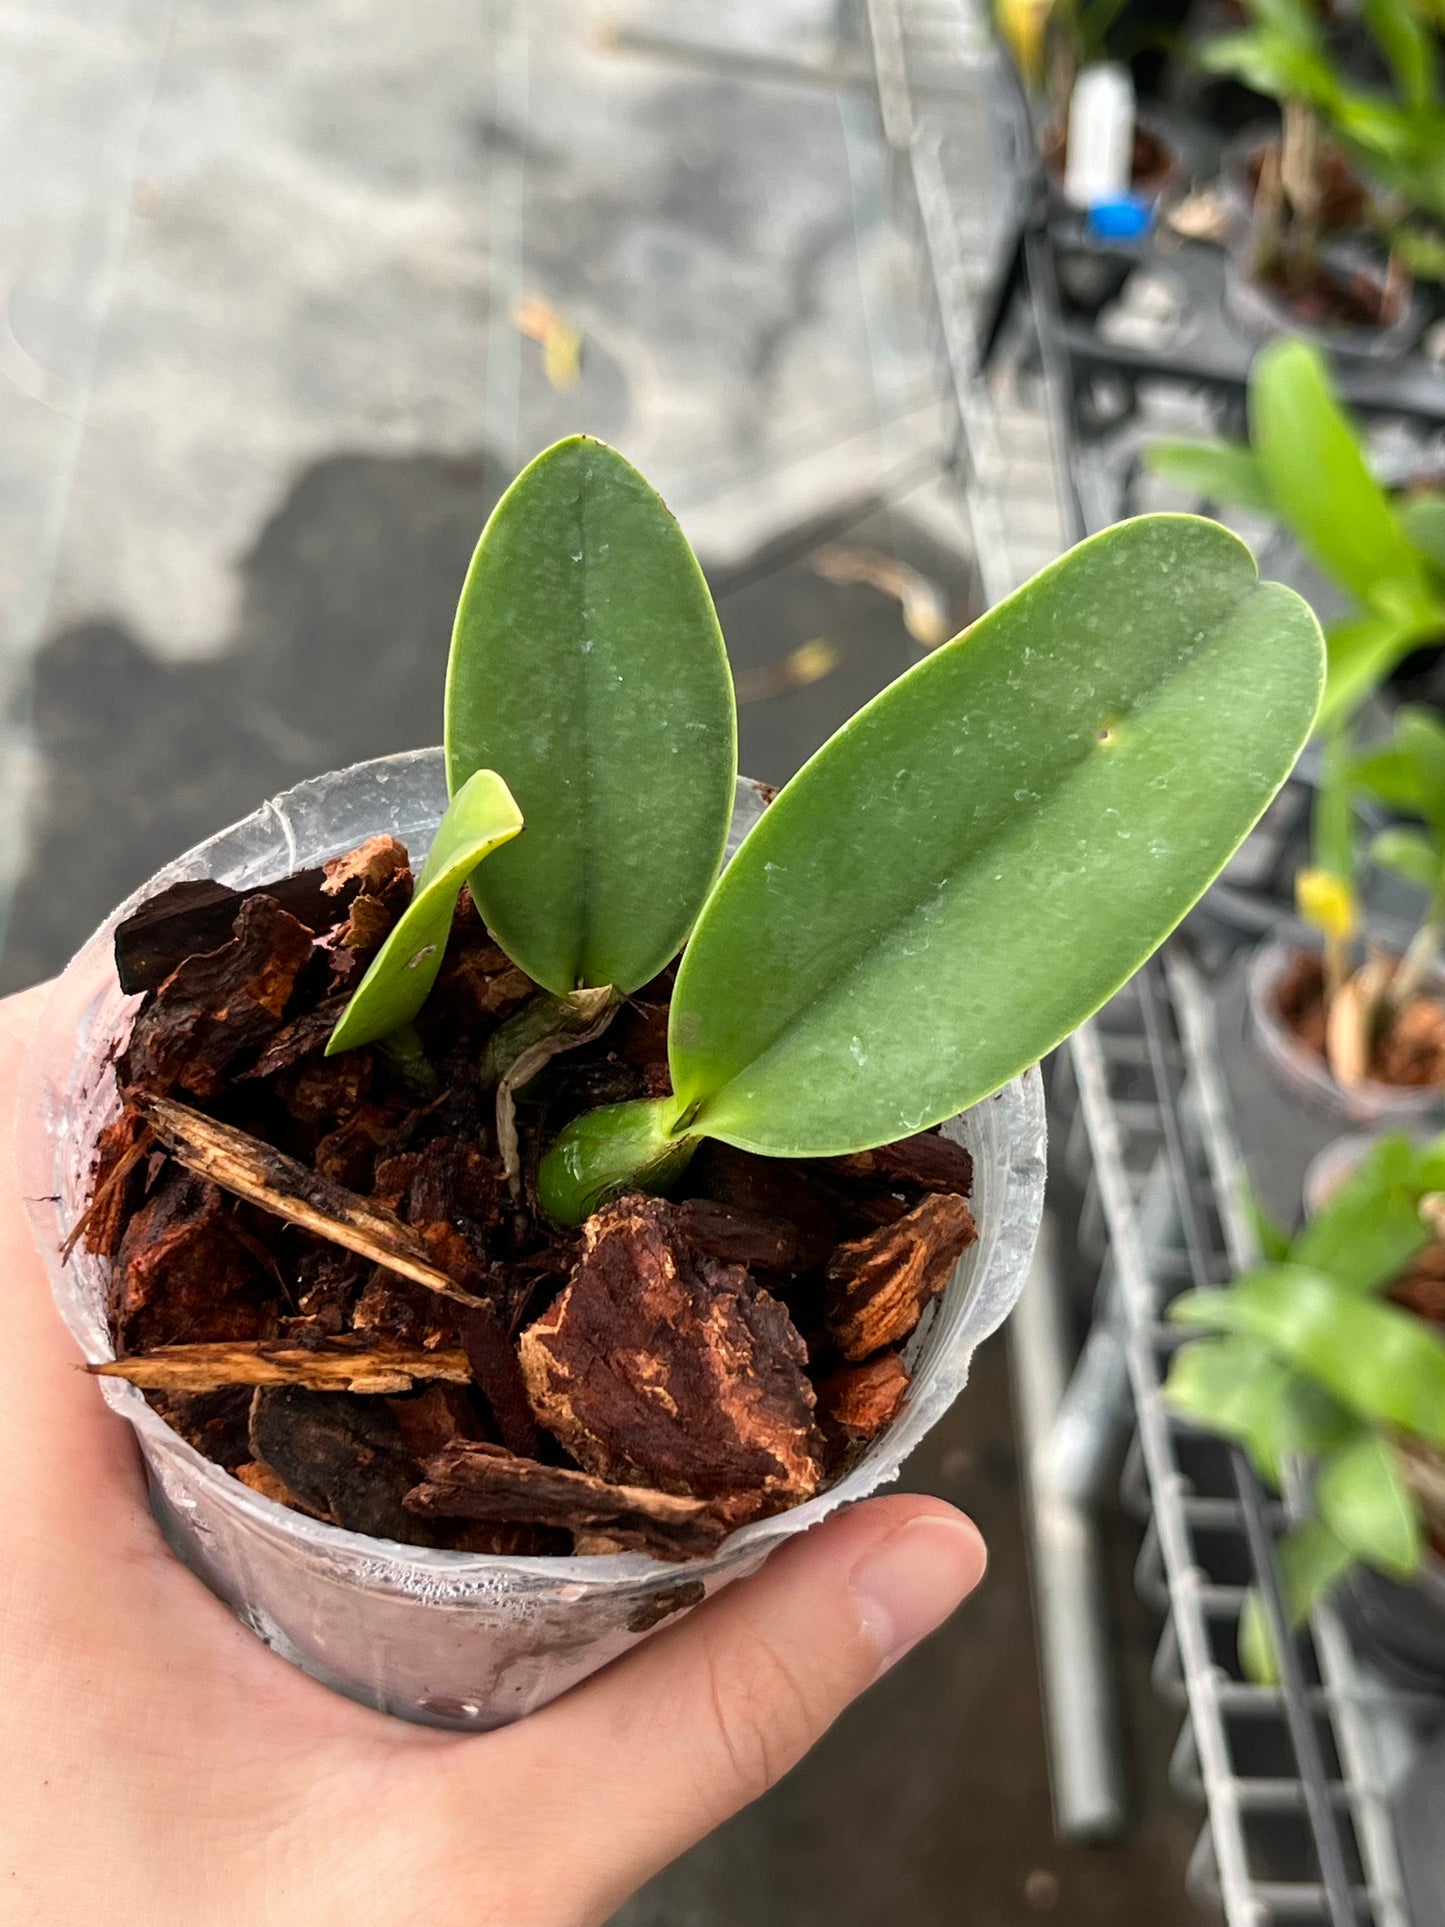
1384	1364
979	859
1391	775
1407	44
1421	735
482	817
1332	817
1409	854
1369	1228
1235	1386
1319	478
587	667
1368	1507
1422	517
1224	472
1360	653
1312	1562
1270	1236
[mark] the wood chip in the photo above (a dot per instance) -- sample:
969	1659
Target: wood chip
188	919
862	1400
930	1160
118	1152
333	1365
182	1274
260	1478
659	1366
218	1005
879	1286
476	1481
752	1239
368	869
279	1184
342	1457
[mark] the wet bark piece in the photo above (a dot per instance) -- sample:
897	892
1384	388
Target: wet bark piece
303	1037
189	919
863	1399
375	882
280	1185
182	1275
498	1375
260	1478
752	1239
929	1160
342	1456
478	982
326	1090
115	1180
366	870
438	1416
660	1366
475	1481
447	1181
348	1155
217	1423
215	1006
773	1188
879	1286
331	1365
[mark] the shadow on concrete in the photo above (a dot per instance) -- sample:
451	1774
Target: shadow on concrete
339	653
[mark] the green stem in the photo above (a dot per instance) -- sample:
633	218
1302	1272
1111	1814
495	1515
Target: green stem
605	1153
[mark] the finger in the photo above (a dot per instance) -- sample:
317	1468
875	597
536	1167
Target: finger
59	1445
657	1750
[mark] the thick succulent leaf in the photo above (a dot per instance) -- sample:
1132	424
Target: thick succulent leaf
1368	1506
1237	1387
587	667
980	858
1384	1364
1312	1562
1319	478
1423	520
1369	1229
1223	472
482	817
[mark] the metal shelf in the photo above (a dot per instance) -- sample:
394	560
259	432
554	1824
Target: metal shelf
1298	1782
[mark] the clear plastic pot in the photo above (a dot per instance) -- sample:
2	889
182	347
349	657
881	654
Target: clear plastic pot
1300	1069
450	1639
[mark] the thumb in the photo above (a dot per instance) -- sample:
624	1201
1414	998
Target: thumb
662	1746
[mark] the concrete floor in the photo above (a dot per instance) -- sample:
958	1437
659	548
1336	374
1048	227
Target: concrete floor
261	380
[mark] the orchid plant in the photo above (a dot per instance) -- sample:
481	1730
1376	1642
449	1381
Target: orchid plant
1307	466
966	871
1303	1359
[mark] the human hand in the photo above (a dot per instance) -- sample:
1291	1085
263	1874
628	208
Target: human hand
164	1769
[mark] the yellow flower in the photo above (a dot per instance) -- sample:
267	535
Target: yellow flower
1024	25
1325	901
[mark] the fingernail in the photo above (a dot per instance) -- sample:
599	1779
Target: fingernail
912	1580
